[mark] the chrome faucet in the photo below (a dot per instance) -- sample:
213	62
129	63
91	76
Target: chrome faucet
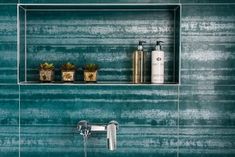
112	128
86	129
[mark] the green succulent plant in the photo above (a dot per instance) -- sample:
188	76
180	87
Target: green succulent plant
91	67
68	66
47	66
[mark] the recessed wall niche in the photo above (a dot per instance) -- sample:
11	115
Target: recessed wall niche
105	34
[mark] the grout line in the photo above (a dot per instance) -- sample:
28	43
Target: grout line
180	45
25	45
178	121
195	4
179	78
19	121
94	10
81	4
174	48
83	84
18	44
206	85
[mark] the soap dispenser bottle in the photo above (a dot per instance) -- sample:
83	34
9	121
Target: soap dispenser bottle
138	64
157	62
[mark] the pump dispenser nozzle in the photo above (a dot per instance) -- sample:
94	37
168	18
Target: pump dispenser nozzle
159	45
140	46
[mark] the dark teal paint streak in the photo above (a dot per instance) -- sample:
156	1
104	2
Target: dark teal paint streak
9	120
207	120
208	45
8	1
153	109
206	104
8	33
148	114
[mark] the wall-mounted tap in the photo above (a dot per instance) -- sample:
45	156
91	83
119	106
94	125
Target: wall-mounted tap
86	129
112	128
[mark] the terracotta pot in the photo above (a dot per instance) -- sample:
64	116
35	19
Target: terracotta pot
46	75
90	76
68	76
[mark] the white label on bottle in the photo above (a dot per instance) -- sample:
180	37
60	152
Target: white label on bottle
157	73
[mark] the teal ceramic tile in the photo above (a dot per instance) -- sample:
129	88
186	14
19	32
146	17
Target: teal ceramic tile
126	103
8	1
206	121
9	104
148	119
131	141
99	1
8	48
207	105
207	45
208	63
107	38
208	23
206	1
206	142
9	120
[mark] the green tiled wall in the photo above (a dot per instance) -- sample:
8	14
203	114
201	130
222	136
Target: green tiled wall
194	119
207	98
147	116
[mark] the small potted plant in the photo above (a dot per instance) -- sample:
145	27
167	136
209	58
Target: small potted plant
68	72
46	72
90	72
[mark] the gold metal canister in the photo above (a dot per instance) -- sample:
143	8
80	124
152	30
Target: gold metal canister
138	67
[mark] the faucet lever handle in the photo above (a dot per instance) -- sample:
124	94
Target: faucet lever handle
84	127
112	128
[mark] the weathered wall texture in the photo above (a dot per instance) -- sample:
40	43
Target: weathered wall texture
196	118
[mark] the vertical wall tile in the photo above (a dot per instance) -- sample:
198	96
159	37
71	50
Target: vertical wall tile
207	121
8	48
147	117
207	44
9	120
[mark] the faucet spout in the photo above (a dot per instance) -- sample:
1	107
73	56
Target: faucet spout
112	135
111	128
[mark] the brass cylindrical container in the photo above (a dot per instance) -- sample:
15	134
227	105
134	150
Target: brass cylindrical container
46	75
90	76
68	76
138	67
